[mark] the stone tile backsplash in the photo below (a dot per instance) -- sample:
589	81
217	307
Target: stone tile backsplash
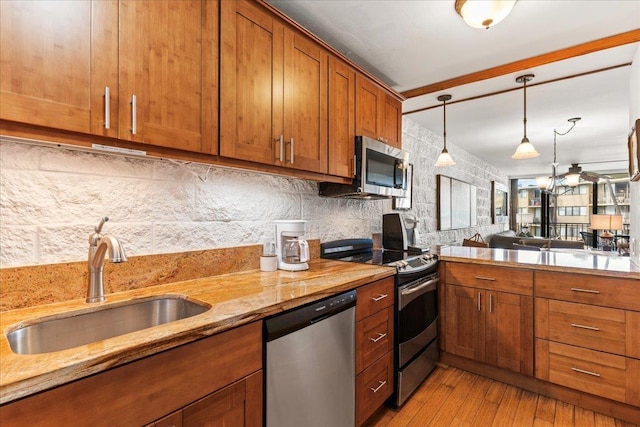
52	197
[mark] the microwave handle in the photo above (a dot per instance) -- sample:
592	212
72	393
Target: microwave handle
400	165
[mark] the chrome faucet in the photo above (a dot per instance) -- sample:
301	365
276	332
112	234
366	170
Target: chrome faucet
98	245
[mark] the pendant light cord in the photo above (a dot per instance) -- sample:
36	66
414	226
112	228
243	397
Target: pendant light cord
524	120
444	111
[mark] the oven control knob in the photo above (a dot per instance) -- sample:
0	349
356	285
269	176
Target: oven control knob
401	265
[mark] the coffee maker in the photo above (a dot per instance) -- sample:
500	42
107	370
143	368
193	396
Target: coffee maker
399	233
292	250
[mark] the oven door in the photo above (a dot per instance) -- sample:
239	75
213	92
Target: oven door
417	316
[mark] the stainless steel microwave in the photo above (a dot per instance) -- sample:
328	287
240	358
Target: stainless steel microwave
380	173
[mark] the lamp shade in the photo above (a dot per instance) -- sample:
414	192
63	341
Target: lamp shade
525	150
572	180
483	13
445	159
524	218
616	222
606	222
543	182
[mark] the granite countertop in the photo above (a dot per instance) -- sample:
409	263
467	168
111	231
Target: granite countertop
235	299
563	260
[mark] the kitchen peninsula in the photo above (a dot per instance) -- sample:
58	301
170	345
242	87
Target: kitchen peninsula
565	324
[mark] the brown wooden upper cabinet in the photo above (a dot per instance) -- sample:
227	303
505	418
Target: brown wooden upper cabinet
378	113
273	99
342	81
113	68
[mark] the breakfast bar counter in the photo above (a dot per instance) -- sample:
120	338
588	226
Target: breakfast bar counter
560	260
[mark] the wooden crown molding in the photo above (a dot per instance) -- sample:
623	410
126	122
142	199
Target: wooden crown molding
632	36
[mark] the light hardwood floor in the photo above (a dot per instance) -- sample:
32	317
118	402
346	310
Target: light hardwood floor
453	397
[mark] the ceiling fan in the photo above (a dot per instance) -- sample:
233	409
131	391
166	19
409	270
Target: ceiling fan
575	173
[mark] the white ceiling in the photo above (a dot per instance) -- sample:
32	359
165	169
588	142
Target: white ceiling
410	44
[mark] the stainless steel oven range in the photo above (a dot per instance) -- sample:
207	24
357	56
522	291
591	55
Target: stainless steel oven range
416	308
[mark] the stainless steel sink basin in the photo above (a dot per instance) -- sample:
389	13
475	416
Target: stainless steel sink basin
75	329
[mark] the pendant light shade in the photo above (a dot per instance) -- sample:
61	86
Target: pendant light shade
444	159
525	150
573	176
483	13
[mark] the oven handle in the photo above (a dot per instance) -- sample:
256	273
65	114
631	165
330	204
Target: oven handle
431	284
412	291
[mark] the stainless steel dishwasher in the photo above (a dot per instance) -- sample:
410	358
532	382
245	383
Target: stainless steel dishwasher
310	365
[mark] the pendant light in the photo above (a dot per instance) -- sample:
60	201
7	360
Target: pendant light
444	159
525	150
483	13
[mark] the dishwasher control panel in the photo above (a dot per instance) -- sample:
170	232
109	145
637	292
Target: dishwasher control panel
284	323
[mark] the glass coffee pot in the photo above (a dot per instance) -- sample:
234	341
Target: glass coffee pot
295	251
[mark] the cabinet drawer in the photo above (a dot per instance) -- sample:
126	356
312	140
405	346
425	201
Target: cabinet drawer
598	328
373	387
604	291
515	281
374	297
595	372
374	337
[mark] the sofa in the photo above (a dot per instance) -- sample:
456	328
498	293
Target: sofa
510	240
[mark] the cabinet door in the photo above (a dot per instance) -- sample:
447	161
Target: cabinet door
168	65
391	122
367	108
239	404
465	325
509	331
305	103
342	80
251	78
49	52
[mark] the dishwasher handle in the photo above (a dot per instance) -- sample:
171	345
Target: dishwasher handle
292	320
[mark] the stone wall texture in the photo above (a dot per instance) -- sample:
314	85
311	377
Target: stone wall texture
52	197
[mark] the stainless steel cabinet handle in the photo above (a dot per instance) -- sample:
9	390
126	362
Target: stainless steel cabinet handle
382	383
582	371
490	303
381	297
491	279
479	299
291	151
589	291
282	148
353	172
380	336
107	108
134	122
591	328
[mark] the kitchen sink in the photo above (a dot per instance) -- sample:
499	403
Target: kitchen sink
80	328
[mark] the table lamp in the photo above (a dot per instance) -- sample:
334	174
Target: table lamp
606	223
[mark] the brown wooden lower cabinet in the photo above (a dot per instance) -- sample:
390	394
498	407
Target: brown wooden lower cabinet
223	370
489	326
237	405
373	386
374	347
603	374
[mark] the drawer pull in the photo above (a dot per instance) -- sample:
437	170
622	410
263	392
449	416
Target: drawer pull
380	336
591	328
491	279
582	371
490	303
589	291
381	297
382	383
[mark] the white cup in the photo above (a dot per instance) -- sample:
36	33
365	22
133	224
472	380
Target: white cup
268	263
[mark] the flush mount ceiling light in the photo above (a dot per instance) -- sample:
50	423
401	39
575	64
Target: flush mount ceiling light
525	150
483	13
444	159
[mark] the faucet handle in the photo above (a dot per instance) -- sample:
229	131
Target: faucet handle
98	228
